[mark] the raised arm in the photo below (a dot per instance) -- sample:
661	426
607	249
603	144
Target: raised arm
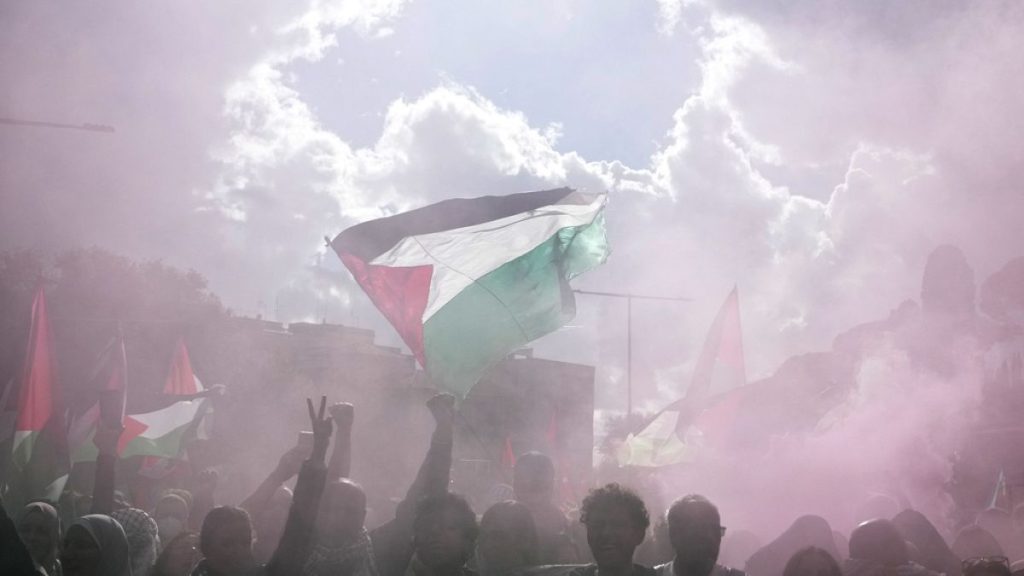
293	548
340	467
392	542
287	467
105	439
435	472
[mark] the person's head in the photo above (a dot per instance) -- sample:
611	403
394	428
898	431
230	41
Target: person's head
179	557
141	531
812	561
974	541
342	513
38	527
999	524
95	545
444	531
533	479
695	530
171	515
880	542
226	540
932	550
986	566
508	538
948	283
616	521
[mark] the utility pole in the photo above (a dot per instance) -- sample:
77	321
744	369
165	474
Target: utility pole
629	332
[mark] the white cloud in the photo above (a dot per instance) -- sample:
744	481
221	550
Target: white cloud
822	150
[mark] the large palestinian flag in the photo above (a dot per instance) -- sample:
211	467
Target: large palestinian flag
465	282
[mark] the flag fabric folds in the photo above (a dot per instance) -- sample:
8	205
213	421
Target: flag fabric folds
39	460
465	282
707	409
160	433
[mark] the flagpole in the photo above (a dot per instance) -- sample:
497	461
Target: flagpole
629	332
85	126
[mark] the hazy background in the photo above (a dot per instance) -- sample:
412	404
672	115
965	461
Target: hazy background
811	152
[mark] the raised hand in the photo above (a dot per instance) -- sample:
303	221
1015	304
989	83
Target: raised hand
442	407
322	428
206	481
343	414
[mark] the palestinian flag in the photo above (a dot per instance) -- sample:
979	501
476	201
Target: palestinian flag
160	433
708	409
465	282
39	460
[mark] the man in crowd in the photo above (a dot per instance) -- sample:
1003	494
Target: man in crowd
533	485
616	521
226	538
695	531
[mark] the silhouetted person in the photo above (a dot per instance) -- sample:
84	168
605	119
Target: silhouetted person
171	515
804	532
141	531
444	535
1000	524
616	521
507	540
974	541
38	526
226	538
812	561
878	548
341	545
934	553
95	545
695	530
393	542
533	484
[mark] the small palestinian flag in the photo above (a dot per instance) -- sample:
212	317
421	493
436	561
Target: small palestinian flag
39	459
465	282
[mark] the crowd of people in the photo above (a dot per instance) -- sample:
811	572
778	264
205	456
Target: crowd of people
318	528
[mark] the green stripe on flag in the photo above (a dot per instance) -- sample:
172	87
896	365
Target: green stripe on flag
520	301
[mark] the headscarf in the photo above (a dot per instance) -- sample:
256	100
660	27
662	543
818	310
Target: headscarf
356	559
109	536
52	518
805	531
143	542
935	553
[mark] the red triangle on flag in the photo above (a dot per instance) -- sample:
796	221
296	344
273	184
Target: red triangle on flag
400	293
508	456
36	399
181	381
